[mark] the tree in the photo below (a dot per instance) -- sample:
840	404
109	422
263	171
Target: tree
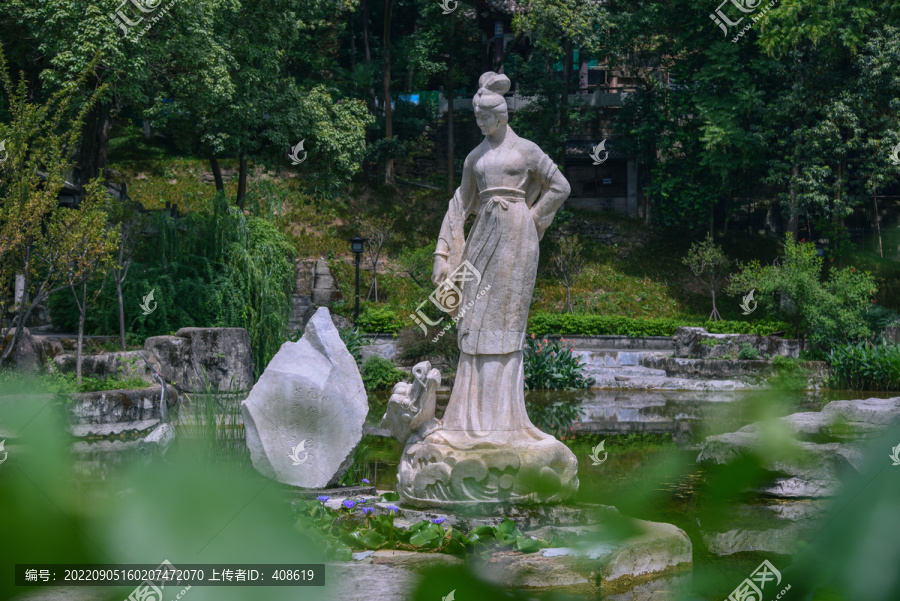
377	231
233	91
825	313
443	51
130	224
388	122
417	264
567	265
556	26
710	264
39	159
57	43
84	231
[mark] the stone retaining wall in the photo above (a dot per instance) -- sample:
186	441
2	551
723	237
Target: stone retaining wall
385	345
697	342
681	367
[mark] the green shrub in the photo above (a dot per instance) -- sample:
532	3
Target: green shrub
748	353
827	313
865	366
380	374
542	324
549	366
762	327
381	320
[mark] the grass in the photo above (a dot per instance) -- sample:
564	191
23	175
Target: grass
92	384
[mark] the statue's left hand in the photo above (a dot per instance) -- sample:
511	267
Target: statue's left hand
441	270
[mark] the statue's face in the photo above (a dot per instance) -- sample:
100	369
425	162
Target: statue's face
487	121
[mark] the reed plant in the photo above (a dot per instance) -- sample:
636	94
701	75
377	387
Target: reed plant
210	420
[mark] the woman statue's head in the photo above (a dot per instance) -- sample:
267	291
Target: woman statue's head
490	106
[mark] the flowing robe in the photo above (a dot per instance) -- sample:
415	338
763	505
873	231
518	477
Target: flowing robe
514	190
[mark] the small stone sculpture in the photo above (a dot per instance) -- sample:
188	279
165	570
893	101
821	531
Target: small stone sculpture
411	406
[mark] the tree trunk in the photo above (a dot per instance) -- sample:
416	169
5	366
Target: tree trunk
451	166
352	44
121	312
95	142
792	218
364	13
388	125
411	71
647	219
714	316
82	310
242	181
569	299
217	173
878	225
24	314
564	101
374	284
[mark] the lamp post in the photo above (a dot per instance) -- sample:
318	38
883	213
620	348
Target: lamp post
357	245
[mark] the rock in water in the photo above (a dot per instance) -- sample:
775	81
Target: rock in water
304	416
158	440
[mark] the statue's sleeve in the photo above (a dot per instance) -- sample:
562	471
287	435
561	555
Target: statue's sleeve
452	237
554	192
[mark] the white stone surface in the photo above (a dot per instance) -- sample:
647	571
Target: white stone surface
304	416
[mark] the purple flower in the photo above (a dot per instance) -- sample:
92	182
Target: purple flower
393	508
368	510
366	481
438	520
363	500
349	504
323	498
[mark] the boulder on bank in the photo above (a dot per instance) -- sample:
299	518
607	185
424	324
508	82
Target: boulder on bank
26	355
220	354
304	416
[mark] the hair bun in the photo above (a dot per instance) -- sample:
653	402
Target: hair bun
495	82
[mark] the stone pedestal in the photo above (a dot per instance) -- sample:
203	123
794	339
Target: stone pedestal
437	475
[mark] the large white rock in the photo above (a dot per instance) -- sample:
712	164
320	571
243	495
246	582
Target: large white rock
304	416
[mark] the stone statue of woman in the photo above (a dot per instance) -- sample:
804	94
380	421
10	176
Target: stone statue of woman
485	449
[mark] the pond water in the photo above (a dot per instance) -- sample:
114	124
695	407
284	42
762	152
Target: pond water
651	441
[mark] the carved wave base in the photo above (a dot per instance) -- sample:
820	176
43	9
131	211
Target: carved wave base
435	474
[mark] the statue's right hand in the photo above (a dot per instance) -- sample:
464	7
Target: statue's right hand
441	270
